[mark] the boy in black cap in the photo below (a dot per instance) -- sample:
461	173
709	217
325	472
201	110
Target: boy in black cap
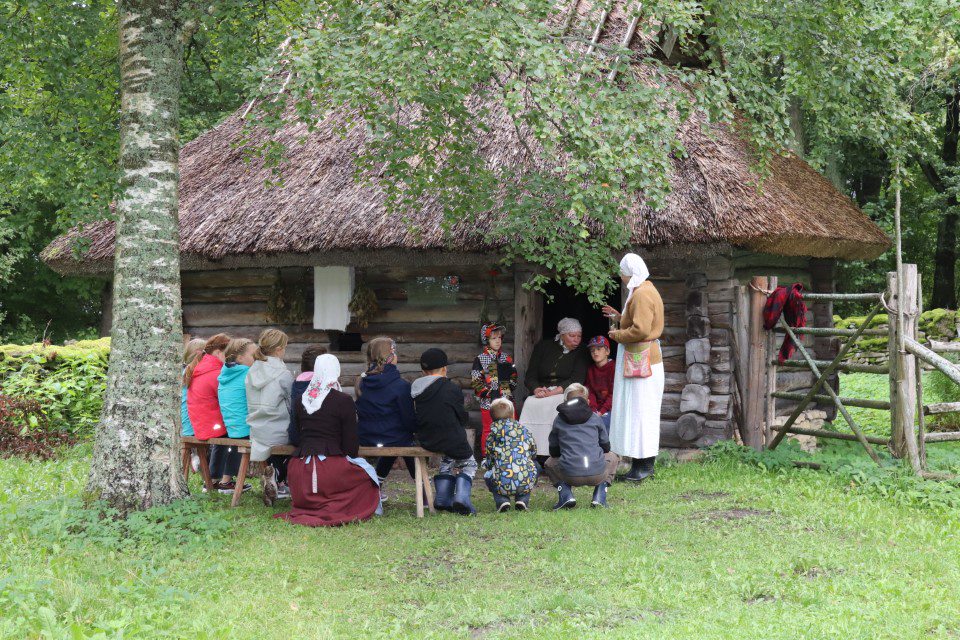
441	422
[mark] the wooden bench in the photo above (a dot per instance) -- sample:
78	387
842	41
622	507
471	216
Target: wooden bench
423	488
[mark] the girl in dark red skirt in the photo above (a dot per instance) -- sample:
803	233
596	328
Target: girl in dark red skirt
329	484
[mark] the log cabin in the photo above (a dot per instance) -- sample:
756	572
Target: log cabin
257	252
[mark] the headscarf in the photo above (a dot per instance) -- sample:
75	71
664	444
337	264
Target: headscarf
567	325
633	265
326	376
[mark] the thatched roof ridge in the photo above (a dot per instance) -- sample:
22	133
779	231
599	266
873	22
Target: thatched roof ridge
228	211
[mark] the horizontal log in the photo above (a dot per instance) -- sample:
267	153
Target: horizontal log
224	313
675	381
940	363
944	347
716	409
823	433
846	367
461	312
794	380
839	297
825	399
937	408
229	278
824	331
225	294
713	431
943	436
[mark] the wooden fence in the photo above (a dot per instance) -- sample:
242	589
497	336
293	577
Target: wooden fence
908	436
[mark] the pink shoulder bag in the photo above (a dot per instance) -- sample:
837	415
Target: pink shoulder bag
636	364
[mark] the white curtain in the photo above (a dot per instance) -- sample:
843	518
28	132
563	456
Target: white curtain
332	290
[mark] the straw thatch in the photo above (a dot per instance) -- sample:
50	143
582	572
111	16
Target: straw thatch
227	209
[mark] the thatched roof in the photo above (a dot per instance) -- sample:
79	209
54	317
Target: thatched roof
228	211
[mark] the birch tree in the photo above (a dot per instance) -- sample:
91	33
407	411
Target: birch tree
135	452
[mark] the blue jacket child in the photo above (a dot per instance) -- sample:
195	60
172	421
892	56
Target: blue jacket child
385	412
232	394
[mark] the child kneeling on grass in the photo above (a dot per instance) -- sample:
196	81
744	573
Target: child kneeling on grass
580	450
441	422
510	459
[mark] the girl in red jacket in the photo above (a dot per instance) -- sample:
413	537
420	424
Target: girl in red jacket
203	407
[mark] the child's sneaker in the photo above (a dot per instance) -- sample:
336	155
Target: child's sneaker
283	491
229	487
195	462
383	492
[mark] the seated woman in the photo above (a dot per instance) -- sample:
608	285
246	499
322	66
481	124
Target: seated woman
554	365
329	485
386	415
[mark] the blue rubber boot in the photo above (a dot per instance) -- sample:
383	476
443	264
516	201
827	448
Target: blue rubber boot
600	495
461	495
443	491
565	499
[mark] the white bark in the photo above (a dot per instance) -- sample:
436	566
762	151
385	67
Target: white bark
136	456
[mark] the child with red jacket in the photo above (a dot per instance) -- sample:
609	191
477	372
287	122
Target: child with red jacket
600	378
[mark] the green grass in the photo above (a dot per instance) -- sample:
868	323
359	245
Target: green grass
721	549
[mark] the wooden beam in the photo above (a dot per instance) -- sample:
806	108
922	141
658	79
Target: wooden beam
943	436
823	433
755	388
939	363
944	347
938	408
846	367
903	383
846	297
850	402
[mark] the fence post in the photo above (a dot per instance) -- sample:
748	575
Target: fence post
903	384
755	391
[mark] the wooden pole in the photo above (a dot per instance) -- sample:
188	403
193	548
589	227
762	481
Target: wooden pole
755	387
903	385
918	375
771	382
823	433
940	363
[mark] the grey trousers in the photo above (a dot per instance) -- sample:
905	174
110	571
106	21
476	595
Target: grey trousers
466	465
556	474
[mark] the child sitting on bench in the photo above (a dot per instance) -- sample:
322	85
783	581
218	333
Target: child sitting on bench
441	422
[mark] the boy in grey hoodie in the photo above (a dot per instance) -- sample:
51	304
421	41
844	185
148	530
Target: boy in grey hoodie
579	450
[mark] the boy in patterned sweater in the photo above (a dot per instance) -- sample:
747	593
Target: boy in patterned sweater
493	376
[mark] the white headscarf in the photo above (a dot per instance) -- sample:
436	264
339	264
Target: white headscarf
567	325
326	376
633	265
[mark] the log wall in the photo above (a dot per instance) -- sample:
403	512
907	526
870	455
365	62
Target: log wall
235	302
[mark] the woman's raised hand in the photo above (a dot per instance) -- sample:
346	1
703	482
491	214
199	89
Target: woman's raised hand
609	311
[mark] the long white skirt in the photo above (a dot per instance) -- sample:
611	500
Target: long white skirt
537	416
635	414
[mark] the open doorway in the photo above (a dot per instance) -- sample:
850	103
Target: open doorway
566	303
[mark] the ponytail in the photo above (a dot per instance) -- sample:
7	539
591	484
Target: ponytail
218	342
381	351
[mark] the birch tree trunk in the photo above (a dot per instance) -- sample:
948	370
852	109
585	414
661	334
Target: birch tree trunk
135	458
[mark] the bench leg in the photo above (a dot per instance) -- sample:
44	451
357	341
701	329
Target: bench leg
418	484
241	478
427	486
202	451
185	460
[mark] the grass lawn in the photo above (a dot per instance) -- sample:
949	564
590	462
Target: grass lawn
719	549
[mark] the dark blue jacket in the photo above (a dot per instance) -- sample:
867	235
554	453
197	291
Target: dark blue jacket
296	393
385	413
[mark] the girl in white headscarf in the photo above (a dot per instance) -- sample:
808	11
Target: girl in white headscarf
635	415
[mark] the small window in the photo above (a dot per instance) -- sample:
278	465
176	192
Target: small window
431	291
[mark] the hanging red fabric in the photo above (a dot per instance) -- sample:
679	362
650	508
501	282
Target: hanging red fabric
789	303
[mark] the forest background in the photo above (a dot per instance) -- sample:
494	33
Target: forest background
854	88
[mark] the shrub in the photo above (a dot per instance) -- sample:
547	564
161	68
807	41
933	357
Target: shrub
24	430
67	381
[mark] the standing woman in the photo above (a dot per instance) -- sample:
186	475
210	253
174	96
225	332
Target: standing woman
386	416
268	388
638	393
329	484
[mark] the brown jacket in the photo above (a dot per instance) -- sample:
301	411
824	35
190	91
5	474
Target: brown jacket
642	321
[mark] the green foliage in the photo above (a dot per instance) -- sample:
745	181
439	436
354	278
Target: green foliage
68	381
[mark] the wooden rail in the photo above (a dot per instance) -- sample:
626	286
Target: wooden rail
830	332
846	367
936	408
850	402
836	297
823	433
937	362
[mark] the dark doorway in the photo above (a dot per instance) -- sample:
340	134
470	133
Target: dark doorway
566	303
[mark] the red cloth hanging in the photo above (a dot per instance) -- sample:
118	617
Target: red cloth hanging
789	303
